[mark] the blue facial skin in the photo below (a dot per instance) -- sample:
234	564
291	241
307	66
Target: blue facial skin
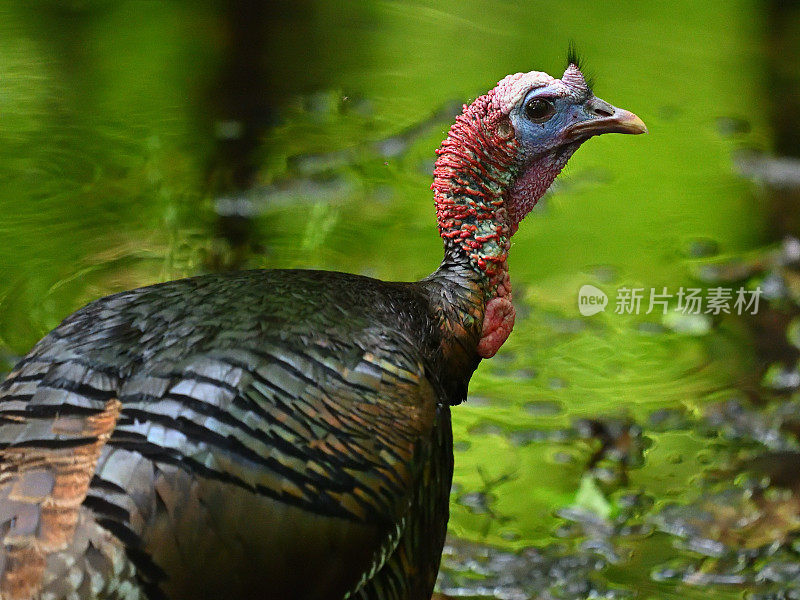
539	137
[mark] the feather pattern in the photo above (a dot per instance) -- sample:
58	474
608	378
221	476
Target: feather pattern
159	438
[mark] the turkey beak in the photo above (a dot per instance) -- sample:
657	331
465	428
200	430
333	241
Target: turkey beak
602	117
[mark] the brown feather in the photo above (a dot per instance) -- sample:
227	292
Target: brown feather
50	515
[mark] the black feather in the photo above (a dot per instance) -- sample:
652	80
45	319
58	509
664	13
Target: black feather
575	58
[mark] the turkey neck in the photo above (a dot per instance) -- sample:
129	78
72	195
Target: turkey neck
475	171
475	175
456	294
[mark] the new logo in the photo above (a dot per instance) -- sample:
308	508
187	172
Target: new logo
591	300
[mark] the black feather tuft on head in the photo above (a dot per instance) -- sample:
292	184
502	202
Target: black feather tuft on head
575	58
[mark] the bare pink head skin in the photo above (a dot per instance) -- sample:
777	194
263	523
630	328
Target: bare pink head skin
499	158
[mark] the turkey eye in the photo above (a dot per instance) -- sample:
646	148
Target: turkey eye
539	110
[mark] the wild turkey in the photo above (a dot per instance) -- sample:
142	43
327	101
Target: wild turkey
278	433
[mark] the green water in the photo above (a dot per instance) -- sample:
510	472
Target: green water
108	113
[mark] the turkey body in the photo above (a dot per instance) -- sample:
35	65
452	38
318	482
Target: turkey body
261	434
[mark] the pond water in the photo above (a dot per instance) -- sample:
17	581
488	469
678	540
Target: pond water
597	456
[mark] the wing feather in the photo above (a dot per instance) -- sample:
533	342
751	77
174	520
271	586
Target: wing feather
46	464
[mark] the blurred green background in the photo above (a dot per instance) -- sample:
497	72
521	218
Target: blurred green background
145	141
